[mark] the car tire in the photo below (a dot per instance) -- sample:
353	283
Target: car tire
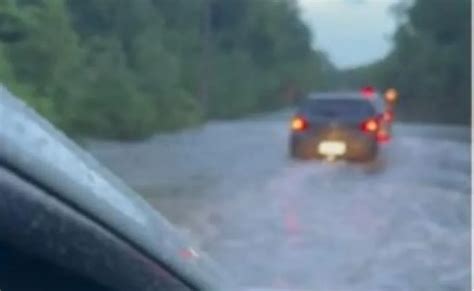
293	150
372	153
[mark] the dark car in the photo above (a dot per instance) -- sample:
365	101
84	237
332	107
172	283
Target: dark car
67	223
340	125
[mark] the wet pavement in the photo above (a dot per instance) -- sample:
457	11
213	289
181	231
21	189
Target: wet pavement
402	223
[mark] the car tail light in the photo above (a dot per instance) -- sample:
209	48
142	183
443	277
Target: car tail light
370	125
383	136
368	92
391	95
388	116
299	123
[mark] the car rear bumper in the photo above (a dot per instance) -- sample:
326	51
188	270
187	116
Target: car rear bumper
359	147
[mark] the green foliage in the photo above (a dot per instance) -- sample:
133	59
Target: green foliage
129	68
235	91
430	63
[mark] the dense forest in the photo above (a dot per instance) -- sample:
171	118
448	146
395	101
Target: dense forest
129	68
430	63
126	69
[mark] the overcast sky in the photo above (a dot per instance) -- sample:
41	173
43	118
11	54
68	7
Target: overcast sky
351	32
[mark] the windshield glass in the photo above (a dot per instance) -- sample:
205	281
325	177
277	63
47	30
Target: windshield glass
194	104
357	109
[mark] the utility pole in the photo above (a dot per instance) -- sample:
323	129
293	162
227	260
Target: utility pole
205	72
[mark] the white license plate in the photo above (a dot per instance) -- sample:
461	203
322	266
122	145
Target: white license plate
332	148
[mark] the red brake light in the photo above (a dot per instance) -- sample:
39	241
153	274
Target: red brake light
367	91
383	136
388	116
299	123
370	125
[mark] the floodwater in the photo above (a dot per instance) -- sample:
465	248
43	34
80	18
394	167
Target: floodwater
402	223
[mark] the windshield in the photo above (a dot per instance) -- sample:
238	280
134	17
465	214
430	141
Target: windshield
337	108
195	104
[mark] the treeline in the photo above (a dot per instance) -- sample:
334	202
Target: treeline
430	64
129	68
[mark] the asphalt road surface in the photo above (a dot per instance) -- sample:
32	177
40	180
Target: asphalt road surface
402	223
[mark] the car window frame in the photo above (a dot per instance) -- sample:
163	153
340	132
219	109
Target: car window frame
60	234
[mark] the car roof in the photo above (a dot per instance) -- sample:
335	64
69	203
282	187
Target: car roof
376	99
33	147
340	95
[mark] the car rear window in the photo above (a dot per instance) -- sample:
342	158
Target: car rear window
349	108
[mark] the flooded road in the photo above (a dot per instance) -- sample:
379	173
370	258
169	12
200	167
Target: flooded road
400	224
